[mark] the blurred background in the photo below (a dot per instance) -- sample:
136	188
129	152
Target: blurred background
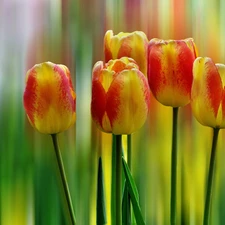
71	32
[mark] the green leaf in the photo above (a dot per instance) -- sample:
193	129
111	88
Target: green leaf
132	189
101	209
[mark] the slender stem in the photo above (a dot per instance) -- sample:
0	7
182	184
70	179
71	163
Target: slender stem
113	182
184	213
129	153
129	161
173	199
118	179
210	177
63	178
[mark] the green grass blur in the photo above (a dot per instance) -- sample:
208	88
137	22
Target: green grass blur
71	32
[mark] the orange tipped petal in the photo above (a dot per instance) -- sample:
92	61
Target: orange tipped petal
133	45
107	48
170	70
98	103
128	102
207	96
120	96
49	98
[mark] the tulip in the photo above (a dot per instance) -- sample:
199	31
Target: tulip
49	98
170	78
170	70
207	95
133	45
208	107
120	96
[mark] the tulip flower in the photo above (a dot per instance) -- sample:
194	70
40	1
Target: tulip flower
207	95
50	101
170	64
170	70
49	98
120	96
133	45
208	107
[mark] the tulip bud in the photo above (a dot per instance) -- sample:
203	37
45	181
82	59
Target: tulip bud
133	45
49	98
120	96
170	70
207	94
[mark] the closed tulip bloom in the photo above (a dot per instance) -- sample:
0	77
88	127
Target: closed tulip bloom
133	45
170	74
49	98
207	95
120	96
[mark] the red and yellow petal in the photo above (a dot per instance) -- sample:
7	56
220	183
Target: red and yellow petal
170	71
120	96
207	93
133	45
101	80
98	104
128	102
107	47
67	73
221	70
49	99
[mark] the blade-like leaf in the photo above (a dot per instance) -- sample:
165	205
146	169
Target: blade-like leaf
101	209
132	189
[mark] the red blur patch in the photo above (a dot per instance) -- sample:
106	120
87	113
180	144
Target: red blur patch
155	76
65	96
107	52
178	75
184	68
29	97
98	103
145	88
223	103
97	70
125	48
214	86
118	66
113	101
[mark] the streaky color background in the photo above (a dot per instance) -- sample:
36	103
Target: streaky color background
71	32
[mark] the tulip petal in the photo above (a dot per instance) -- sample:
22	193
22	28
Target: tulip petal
128	101
49	99
206	92
98	104
221	70
107	42
101	81
133	45
170	71
120	96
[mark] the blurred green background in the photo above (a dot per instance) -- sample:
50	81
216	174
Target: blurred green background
71	32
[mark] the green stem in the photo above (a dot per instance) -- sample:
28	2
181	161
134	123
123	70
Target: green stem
210	176
129	161
184	212
129	154
63	177
173	199
113	181
118	179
